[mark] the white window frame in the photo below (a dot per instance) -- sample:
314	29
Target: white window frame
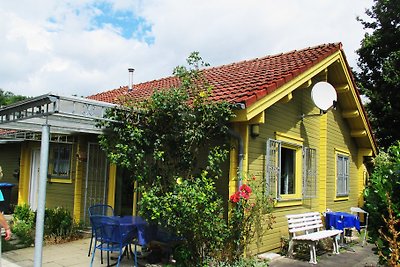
308	186
55	163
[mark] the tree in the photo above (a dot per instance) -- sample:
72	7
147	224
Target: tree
161	137
173	145
382	201
7	98
159	142
379	76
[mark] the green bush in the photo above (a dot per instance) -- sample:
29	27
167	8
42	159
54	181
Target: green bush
59	225
23	225
249	217
384	186
24	213
242	262
191	210
162	143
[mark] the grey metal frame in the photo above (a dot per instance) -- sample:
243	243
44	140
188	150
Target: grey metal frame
49	114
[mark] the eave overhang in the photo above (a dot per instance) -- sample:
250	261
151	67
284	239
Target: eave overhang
335	70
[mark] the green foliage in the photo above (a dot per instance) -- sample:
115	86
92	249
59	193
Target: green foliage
249	216
23	225
391	253
191	210
7	98
160	141
24	213
59	225
383	181
162	137
242	262
379	62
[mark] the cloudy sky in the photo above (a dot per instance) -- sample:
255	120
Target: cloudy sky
81	47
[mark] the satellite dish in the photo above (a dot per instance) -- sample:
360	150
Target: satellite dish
323	95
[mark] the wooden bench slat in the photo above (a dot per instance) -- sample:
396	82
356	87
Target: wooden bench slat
304	228
308	228
318	235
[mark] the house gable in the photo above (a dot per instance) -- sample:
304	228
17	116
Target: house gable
254	85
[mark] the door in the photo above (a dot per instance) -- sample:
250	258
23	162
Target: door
96	183
34	181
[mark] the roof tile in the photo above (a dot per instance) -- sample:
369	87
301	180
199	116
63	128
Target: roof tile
241	82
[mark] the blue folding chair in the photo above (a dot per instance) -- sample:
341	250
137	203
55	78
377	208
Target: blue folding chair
111	237
99	210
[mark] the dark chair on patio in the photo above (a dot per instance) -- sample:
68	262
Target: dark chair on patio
110	236
96	210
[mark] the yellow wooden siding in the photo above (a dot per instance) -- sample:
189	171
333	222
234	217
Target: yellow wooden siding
80	168
339	139
322	162
57	194
62	194
284	118
325	133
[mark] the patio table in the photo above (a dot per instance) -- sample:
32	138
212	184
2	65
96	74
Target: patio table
341	220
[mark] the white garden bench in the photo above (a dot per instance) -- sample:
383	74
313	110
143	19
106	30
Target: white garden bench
308	228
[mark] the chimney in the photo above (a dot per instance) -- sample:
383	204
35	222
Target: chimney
130	85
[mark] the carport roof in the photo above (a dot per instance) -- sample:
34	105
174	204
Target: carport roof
64	115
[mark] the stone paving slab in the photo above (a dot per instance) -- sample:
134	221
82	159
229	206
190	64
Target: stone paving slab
357	256
74	254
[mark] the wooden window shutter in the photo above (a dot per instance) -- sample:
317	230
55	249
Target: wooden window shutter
272	167
309	173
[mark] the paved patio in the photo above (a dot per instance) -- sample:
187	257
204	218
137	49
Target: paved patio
74	254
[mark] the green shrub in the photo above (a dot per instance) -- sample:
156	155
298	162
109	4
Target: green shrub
57	221
381	192
59	225
249	217
242	262
192	210
162	143
23	225
24	213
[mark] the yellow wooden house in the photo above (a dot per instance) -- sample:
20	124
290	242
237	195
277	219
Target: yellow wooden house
312	159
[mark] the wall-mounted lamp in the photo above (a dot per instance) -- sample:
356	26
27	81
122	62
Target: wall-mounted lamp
255	130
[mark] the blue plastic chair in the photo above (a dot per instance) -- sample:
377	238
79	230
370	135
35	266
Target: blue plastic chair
111	237
99	210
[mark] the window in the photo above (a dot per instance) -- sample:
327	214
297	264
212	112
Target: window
60	161
288	173
290	170
342	175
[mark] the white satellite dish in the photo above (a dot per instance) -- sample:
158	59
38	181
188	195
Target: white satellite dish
323	95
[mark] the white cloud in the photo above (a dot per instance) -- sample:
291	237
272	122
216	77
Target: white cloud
52	45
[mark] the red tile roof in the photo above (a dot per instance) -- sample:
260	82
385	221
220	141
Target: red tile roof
242	82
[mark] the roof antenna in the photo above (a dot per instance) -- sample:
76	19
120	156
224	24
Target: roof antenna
130	86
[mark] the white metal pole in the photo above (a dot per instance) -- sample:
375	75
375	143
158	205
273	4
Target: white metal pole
44	163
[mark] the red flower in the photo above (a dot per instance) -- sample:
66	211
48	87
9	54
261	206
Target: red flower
245	188
245	195
235	198
244	192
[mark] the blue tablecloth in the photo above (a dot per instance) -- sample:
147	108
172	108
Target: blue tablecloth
341	220
146	232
